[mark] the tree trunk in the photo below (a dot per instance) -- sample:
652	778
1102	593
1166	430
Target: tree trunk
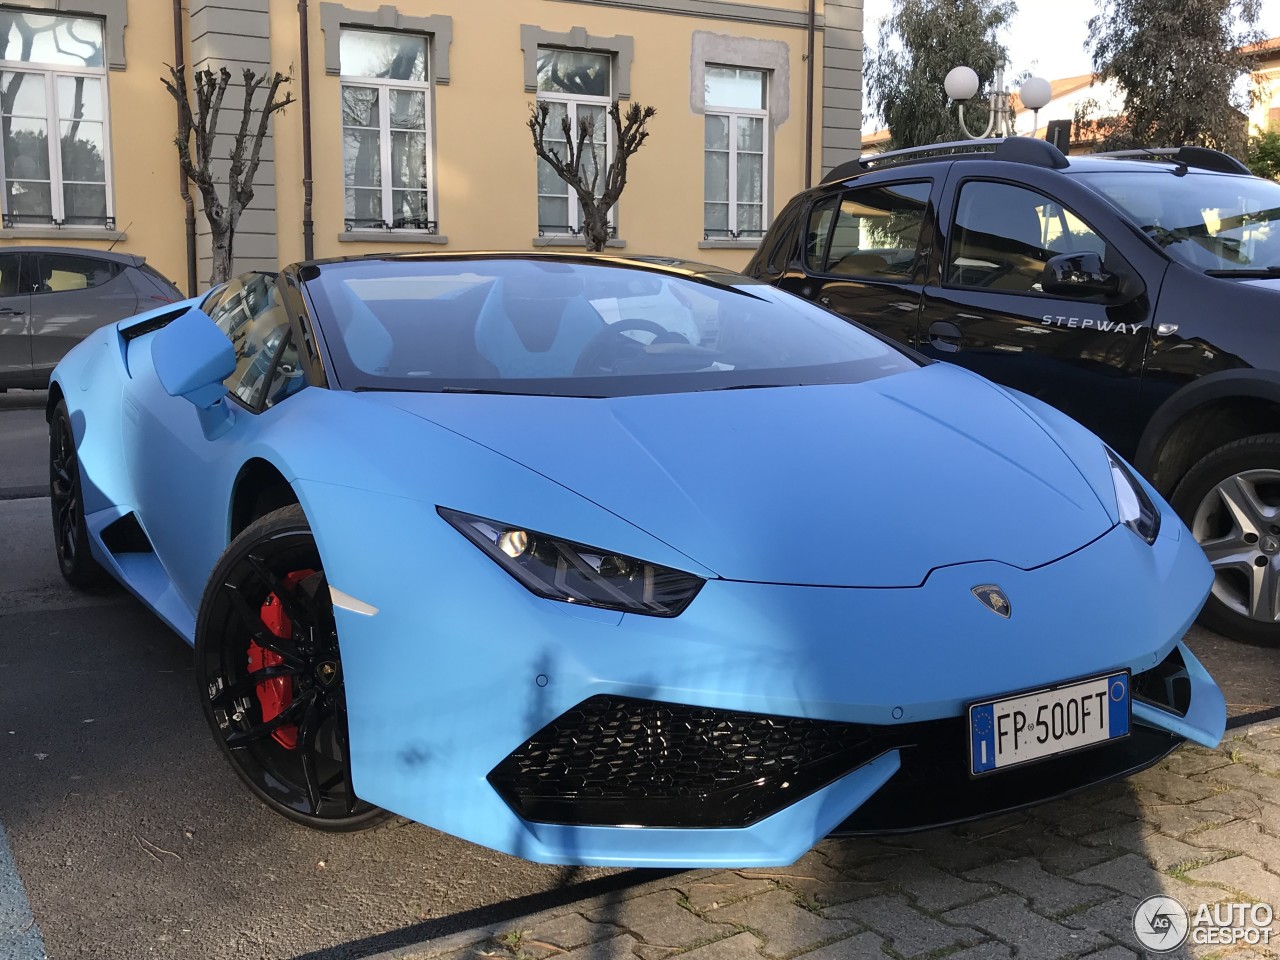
595	227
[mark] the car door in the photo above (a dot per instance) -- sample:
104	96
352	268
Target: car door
15	333
985	306
180	473
864	252
72	295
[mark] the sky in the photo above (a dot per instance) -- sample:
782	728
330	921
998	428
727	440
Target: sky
1046	38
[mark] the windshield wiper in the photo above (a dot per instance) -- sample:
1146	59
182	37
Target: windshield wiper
1261	273
747	386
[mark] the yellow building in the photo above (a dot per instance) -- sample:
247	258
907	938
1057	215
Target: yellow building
417	114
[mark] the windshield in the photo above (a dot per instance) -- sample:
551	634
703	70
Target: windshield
1208	221
571	328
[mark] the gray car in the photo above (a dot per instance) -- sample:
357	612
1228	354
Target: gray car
51	298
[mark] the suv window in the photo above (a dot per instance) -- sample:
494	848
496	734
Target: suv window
250	313
58	272
876	232
1004	235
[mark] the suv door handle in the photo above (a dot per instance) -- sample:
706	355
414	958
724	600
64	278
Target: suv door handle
946	337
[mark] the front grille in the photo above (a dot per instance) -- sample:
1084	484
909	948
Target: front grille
614	760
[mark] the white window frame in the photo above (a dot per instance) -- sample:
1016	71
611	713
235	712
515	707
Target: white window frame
572	103
53	120
733	113
384	88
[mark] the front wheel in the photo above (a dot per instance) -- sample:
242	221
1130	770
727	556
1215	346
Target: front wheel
66	499
270	675
1231	502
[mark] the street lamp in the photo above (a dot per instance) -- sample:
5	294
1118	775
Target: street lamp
962	85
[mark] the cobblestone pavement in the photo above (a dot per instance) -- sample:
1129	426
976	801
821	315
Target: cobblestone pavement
1061	880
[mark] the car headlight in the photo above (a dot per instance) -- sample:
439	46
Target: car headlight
1137	512
576	573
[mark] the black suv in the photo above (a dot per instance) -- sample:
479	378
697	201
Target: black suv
1137	292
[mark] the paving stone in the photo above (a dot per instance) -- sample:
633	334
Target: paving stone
1176	819
861	946
742	946
1048	894
1009	919
787	928
565	933
1242	874
825	893
1091	820
812	866
1236	804
1170	786
1265	760
1111	953
851	855
1059	855
1185	764
1132	875
618	948
715	891
657	918
991	950
947	851
1164	853
1243	777
1113	917
1242	837
648	951
933	889
910	932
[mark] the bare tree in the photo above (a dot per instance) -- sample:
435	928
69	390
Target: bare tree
199	124
579	167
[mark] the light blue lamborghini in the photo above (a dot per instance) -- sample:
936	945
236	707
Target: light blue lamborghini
627	562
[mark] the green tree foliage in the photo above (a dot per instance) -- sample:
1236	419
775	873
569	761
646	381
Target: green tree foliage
920	41
1177	63
1263	156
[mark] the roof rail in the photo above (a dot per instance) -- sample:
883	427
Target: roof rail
1038	153
1202	158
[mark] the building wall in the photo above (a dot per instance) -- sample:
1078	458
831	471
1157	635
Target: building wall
485	167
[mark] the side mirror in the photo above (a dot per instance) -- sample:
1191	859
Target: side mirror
1078	275
192	357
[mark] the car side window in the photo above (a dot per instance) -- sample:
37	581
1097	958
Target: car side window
59	273
9	267
876	233
255	321
1004	235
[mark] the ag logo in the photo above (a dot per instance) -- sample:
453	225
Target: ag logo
994	599
1160	924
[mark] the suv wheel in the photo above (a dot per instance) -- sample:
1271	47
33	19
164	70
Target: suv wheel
1231	502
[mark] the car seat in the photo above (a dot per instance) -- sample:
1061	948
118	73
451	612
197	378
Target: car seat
536	325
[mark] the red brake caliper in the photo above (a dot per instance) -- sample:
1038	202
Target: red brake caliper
277	693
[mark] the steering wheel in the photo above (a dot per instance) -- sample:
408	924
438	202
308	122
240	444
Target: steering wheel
613	338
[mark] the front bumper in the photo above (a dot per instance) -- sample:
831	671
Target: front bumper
461	668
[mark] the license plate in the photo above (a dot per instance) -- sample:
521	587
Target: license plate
1043	723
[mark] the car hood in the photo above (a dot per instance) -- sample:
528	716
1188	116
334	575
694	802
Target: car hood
1268	284
854	485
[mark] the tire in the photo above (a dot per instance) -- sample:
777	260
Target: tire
269	675
66	501
1231	502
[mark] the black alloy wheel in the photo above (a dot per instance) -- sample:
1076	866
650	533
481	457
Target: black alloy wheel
70	534
1231	502
269	672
